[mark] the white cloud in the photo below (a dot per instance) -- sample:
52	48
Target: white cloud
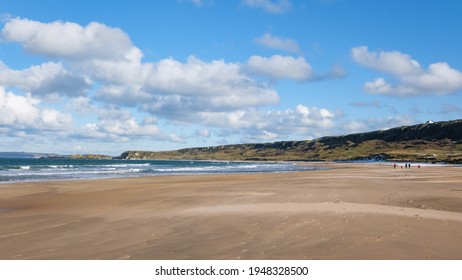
278	43
118	71
176	85
372	124
120	125
199	86
196	77
264	135
123	79
86	48
81	105
301	122
123	123
55	120
440	78
204	133
126	95
392	62
379	85
23	114
129	127
274	7
212	94
355	126
281	67
44	80
69	40
411	78
19	112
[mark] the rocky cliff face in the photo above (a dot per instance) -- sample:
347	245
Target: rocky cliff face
429	142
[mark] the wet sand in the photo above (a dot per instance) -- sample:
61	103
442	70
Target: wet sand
352	211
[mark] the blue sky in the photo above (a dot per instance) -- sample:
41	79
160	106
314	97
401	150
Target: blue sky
110	76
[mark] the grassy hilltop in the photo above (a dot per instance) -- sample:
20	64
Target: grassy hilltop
429	142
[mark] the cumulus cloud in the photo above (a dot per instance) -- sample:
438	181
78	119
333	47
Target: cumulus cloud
69	40
175	84
19	112
104	86
302	121
117	71
111	121
408	77
281	67
81	105
120	125
371	124
123	79
43	80
274	7
222	83
181	89
123	123
85	48
392	62
278	43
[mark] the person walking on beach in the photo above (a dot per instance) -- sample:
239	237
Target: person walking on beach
394	166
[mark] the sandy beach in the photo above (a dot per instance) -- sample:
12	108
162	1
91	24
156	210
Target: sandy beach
350	211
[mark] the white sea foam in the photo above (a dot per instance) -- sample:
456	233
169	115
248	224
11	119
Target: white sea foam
62	169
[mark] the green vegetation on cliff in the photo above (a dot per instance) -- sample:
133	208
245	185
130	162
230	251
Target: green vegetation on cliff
89	156
429	142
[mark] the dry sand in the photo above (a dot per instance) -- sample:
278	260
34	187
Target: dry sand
352	211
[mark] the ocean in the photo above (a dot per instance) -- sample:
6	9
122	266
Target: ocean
45	169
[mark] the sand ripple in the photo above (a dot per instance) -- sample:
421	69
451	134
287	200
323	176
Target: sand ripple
325	207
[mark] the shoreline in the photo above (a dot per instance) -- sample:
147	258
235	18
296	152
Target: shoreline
138	169
315	164
349	211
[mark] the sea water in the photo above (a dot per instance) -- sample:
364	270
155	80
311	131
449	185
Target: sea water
44	169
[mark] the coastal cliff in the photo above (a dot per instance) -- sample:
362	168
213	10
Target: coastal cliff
428	142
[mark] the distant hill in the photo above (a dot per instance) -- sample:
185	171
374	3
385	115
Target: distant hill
26	155
51	155
429	142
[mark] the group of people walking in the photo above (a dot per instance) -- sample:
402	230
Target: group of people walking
407	165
